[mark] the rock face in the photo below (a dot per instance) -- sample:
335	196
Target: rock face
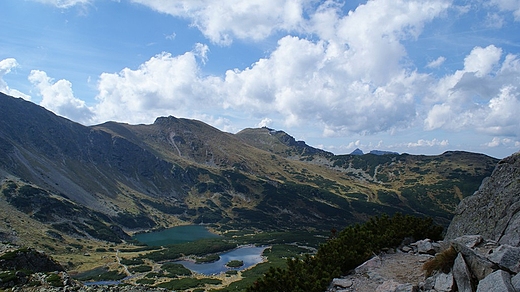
494	210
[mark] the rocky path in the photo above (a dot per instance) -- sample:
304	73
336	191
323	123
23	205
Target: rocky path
384	272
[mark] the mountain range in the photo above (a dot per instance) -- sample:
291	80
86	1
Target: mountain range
107	181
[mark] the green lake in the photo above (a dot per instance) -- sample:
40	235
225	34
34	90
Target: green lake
174	235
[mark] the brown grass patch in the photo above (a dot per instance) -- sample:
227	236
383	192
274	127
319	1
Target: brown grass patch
442	261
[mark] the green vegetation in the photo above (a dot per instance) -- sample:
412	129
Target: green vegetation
354	245
140	269
300	237
208	259
235	264
188	283
10	255
175	269
7	276
145	281
131	262
54	280
100	274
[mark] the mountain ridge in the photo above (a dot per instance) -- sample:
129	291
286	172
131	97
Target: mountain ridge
180	171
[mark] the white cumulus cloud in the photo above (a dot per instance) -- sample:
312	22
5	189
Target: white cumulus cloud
59	98
481	60
483	96
225	20
164	85
354	81
6	65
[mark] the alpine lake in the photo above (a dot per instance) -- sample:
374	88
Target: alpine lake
249	255
191	257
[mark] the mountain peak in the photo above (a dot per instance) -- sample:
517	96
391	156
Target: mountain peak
165	120
357	152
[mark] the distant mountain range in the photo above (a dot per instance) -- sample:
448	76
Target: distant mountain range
358	151
63	179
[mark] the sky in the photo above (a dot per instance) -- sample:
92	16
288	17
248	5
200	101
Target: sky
418	77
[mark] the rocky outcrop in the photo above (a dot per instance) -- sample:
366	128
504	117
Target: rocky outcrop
477	265
485	266
494	210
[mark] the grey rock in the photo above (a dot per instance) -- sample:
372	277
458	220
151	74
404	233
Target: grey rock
343	283
494	210
388	286
512	232
470	240
478	265
424	246
462	275
499	281
429	283
406	288
372	263
515	281
406	248
437	247
507	258
444	282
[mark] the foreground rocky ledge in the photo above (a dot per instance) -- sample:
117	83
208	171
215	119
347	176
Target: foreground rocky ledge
476	265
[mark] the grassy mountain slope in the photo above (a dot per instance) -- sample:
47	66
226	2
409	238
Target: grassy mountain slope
118	177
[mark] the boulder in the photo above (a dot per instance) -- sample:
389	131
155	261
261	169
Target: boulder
470	241
493	211
515	281
341	283
499	281
462	275
478	265
424	246
372	263
428	284
444	282
507	258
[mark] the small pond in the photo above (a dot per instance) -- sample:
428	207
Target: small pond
250	255
174	235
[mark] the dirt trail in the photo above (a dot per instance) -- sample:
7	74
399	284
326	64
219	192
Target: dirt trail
397	267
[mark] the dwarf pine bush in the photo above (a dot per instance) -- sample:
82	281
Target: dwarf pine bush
354	245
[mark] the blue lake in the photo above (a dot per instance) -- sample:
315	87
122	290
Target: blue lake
179	234
250	255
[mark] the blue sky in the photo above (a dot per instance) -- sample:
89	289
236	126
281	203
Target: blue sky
419	77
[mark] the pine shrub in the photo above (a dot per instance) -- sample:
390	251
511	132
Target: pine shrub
354	245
